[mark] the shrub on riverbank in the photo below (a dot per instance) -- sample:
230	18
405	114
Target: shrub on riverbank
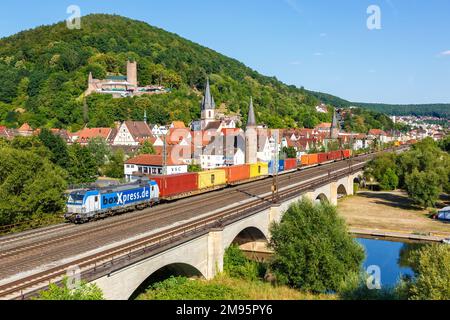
313	249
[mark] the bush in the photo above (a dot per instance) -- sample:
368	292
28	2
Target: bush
84	291
313	249
180	288
432	273
237	265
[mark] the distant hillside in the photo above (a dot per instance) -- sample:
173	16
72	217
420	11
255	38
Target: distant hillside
434	110
44	73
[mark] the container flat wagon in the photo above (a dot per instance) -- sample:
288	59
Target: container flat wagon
176	186
237	174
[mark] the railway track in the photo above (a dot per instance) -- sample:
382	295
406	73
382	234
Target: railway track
197	226
99	258
144	216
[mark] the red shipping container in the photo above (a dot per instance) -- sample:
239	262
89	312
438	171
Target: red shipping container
173	185
322	157
347	154
290	164
237	173
337	155
330	156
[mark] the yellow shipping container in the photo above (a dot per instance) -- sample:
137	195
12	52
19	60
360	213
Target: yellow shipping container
212	178
259	169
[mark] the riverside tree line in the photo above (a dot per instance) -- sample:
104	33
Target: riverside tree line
424	171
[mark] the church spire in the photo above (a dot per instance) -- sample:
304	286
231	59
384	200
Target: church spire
208	100
251	121
334	131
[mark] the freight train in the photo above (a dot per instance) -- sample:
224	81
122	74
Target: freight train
145	191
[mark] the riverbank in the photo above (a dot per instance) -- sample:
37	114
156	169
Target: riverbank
391	215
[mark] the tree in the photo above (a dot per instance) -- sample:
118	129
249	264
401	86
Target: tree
31	187
290	152
432	274
82	166
57	147
83	291
99	150
424	187
389	181
146	148
114	168
312	248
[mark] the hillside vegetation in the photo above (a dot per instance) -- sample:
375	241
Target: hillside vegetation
44	73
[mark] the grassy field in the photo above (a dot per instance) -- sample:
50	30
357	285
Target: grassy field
389	211
224	287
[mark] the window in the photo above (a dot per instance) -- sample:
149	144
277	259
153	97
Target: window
259	169
213	178
96	199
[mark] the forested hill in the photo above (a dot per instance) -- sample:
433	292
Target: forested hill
434	110
44	72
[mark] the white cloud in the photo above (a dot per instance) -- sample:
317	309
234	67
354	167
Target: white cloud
445	53
318	54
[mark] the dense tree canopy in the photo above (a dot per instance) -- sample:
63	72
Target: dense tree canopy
423	171
313	250
44	74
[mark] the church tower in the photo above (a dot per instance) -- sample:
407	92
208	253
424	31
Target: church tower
251	137
334	130
208	107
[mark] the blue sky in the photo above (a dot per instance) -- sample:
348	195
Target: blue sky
323	45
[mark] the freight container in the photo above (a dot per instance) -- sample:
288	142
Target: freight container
335	155
290	164
305	160
347	154
280	167
313	159
237	173
259	169
173	186
211	179
322	157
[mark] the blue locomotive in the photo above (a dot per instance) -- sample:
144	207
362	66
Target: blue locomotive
92	204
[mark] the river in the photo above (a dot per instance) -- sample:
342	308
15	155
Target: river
391	257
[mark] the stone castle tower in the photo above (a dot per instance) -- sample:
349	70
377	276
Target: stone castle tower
132	73
251	137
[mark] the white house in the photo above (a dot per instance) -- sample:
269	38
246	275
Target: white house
153	165
132	133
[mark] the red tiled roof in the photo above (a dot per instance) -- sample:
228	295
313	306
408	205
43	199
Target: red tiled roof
178	125
377	132
89	133
25	127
